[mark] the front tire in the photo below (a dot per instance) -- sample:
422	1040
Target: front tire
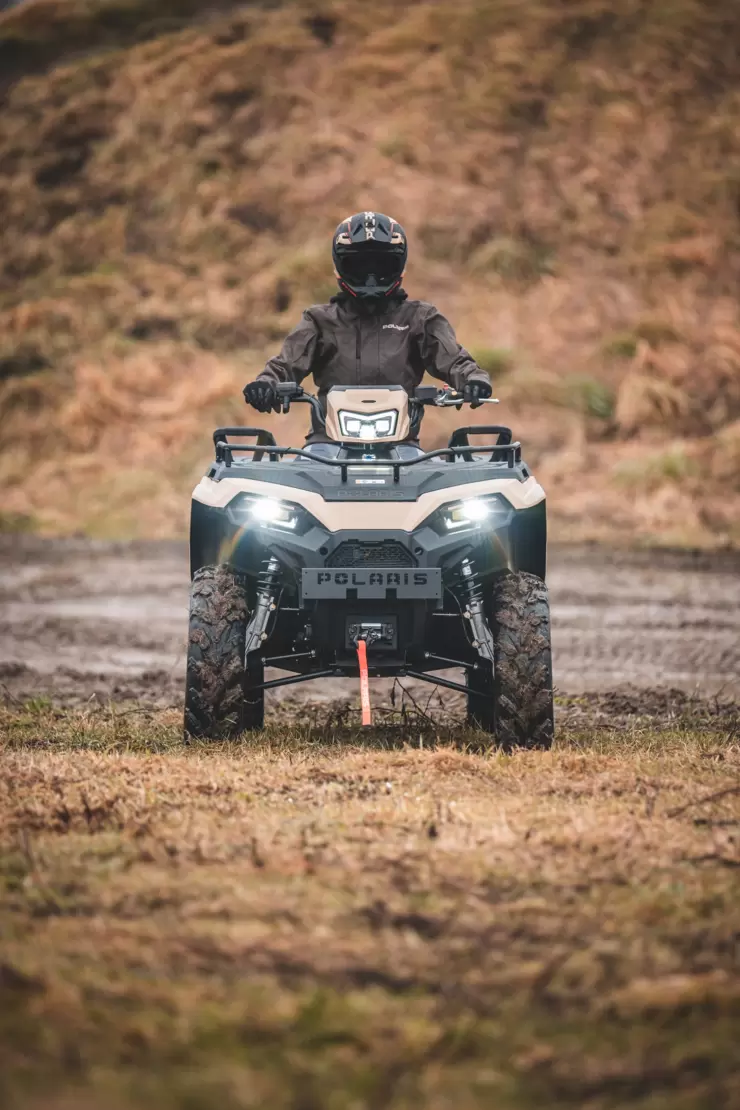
222	698
516	702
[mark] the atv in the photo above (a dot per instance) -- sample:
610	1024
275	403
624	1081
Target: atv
362	555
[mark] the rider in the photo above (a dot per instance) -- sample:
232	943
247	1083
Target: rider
370	333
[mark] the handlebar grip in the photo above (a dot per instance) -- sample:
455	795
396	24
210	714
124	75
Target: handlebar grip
289	390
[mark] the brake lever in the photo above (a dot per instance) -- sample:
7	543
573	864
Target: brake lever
457	402
444	400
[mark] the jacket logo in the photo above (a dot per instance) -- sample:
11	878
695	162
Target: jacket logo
396	327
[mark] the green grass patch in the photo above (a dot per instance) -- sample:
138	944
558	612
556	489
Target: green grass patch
589	396
672	466
623	345
517	260
17	523
496	361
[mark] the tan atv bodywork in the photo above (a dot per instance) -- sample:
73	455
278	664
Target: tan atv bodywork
363	513
338	515
371	402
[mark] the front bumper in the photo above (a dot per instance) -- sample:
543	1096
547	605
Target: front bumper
515	541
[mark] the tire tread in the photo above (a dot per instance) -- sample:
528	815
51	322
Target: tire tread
517	705
216	682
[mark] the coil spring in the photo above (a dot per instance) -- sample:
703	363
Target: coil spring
469	582
268	581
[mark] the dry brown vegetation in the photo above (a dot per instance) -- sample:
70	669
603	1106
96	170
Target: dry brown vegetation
569	171
328	919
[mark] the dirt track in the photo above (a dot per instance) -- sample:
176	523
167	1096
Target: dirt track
79	619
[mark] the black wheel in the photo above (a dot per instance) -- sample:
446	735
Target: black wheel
515	703
221	697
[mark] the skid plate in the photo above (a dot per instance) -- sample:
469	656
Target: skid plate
388	583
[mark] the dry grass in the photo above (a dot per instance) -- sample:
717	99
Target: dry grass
318	919
169	174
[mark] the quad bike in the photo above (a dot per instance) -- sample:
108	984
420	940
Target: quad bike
362	555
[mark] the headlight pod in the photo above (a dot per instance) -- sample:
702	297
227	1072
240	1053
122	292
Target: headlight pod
472	513
247	511
358	425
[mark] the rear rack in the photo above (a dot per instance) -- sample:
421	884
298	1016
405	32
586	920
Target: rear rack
508	453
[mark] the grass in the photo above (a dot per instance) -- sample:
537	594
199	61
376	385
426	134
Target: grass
672	465
588	396
16	522
496	361
321	918
623	345
170	180
515	260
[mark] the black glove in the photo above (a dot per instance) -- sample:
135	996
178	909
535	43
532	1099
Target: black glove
261	395
475	392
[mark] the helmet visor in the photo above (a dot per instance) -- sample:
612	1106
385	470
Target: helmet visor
357	267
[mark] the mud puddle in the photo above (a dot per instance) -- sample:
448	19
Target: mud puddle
82	619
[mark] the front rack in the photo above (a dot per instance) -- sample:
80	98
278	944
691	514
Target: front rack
510	454
263	437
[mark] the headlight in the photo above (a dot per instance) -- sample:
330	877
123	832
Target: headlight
268	512
355	425
474	512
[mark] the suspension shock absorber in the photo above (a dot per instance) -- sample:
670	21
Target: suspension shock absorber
268	587
474	611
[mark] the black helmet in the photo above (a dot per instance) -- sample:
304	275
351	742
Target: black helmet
369	253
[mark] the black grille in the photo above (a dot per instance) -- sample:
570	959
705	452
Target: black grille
379	553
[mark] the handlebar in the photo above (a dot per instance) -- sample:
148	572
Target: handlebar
446	398
288	392
456	400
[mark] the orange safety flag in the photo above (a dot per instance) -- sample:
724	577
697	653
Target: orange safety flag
367	716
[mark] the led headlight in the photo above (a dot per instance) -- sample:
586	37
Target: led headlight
474	512
356	425
267	512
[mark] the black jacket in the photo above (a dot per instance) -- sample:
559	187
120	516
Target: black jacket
341	344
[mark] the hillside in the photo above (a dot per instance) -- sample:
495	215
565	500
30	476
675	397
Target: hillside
568	172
